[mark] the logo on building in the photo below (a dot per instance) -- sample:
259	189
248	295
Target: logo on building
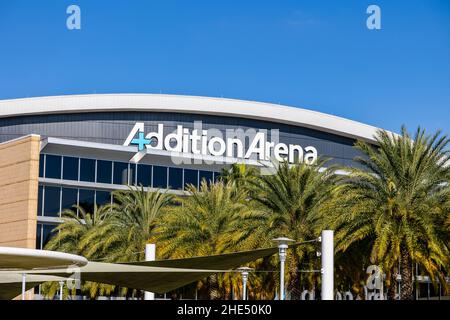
237	144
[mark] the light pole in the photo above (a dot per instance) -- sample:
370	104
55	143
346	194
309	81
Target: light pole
24	285
282	246
61	286
244	272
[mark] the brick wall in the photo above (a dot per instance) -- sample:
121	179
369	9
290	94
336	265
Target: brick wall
19	173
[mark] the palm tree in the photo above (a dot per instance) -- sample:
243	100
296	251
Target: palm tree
113	233
213	220
135	216
75	235
293	199
67	236
238	174
396	202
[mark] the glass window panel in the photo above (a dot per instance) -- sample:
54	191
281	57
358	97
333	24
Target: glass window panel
38	236
51	201
104	171
52	166
216	176
70	168
41	165
47	233
175	178
120	173
206	175
144	175
190	177
40	189
69	198
132	174
159	177
87	170
102	198
86	200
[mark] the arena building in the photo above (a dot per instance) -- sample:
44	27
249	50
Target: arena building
65	150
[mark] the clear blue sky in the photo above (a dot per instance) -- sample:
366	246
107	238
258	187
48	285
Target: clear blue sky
313	54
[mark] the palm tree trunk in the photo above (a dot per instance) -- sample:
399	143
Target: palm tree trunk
406	273
214	293
392	289
294	279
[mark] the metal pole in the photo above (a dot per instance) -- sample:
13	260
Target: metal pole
150	255
244	272
24	285
244	285
282	246
61	286
282	252
327	264
399	281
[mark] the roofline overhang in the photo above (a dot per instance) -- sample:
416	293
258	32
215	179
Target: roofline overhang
190	105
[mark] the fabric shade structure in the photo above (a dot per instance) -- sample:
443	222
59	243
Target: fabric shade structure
155	279
221	261
11	283
158	276
14	262
162	276
30	259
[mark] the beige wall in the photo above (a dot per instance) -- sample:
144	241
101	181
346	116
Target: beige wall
19	173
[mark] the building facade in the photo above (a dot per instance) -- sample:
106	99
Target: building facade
59	151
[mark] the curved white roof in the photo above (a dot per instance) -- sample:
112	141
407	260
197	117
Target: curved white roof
187	104
29	259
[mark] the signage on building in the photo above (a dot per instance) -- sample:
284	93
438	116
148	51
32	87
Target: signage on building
212	142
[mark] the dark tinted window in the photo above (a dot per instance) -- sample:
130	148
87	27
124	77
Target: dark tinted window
175	178
69	198
40	189
86	200
104	171
70	168
144	175
41	165
190	177
102	197
51	201
38	236
120	173
53	166
47	233
216	176
206	175
159	177
87	170
132	174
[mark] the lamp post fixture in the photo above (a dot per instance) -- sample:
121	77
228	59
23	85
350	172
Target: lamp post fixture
244	272
282	246
24	285
61	287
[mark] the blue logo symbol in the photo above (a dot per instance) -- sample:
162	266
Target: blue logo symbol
141	141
